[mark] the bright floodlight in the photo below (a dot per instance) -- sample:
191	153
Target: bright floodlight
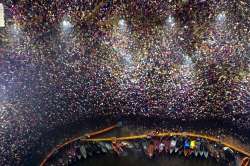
126	56
66	25
122	25
221	17
15	29
170	21
2	23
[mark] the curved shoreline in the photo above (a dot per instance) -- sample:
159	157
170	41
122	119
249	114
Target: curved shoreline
184	134
62	133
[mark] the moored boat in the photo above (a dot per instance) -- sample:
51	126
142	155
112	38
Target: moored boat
222	156
83	151
186	147
150	150
144	145
96	149
211	150
229	154
204	149
161	147
172	145
103	147
192	147
108	146
201	152
78	153
206	152
179	145
167	144
137	146
198	147
193	144
89	150
79	157
117	147
219	153
127	145
156	144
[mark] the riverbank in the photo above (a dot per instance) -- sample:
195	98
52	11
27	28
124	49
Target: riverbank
132	125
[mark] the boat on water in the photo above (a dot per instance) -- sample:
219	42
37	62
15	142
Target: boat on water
144	145
152	147
127	145
108	146
150	150
137	146
133	146
211	150
96	149
117	147
179	146
229	154
172	145
205	150
198	147
156	144
218	154
192	147
201	152
89	149
79	157
193	144
83	151
222	156
186	147
161	147
167	144
103	147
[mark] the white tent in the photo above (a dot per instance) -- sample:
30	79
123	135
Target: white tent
2	23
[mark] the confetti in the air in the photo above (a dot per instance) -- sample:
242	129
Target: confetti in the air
63	60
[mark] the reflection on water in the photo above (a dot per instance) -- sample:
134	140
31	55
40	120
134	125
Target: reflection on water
139	160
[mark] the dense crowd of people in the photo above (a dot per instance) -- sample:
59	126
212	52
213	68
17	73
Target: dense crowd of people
61	61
